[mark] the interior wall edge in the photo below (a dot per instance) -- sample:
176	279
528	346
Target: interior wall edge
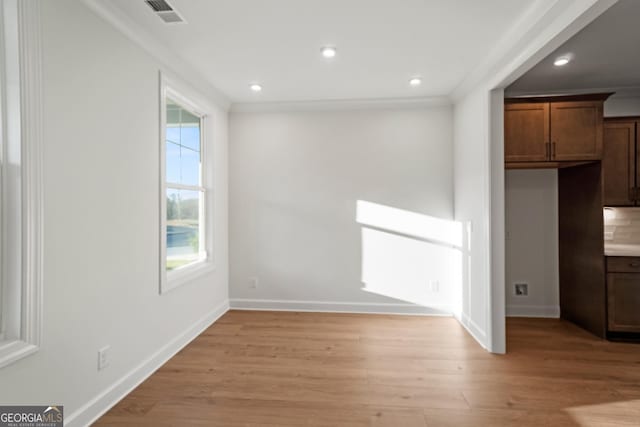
474	329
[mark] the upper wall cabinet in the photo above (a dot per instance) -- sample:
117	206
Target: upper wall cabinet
619	164
547	131
526	132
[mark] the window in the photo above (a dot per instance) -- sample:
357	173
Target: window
20	181
185	228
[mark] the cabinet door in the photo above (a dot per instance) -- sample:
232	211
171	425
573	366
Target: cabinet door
576	130
526	132
623	300
637	162
618	163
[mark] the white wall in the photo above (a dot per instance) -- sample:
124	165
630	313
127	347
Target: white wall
617	106
471	179
532	241
295	179
101	266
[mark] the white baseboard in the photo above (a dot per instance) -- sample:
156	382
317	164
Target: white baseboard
475	330
96	407
336	307
550	311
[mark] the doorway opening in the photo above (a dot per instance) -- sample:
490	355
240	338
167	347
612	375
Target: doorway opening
572	217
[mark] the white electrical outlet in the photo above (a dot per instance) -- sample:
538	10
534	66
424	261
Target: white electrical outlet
103	357
435	286
253	282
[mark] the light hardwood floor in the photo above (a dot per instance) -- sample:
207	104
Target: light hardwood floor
320	369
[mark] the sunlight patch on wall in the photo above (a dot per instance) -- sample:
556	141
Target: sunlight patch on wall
409	223
411	257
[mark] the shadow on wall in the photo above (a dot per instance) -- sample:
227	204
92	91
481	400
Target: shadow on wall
413	257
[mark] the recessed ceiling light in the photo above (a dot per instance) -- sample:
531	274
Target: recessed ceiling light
329	51
563	60
255	87
415	81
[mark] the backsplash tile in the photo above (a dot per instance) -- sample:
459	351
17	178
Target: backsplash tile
622	225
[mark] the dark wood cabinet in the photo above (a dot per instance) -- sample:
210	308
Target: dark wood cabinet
619	164
623	299
576	130
581	261
526	129
553	131
623	294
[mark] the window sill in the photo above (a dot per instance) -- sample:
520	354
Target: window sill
12	351
175	279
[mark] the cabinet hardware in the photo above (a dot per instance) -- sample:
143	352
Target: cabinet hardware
553	152
634	264
546	149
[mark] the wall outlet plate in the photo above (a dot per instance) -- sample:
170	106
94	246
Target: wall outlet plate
521	289
253	282
434	285
103	357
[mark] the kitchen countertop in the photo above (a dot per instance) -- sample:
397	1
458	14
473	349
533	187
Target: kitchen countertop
618	249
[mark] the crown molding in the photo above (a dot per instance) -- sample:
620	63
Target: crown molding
121	22
542	29
342	105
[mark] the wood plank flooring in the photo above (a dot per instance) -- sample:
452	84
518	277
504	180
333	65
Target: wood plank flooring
327	369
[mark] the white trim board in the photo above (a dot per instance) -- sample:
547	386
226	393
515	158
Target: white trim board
96	407
472	327
336	307
23	274
547	311
31	129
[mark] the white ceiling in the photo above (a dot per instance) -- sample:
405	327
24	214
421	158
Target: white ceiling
381	44
606	54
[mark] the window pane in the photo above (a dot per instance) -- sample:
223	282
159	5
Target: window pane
190	136
182	132
173	134
173	162
183	227
189	167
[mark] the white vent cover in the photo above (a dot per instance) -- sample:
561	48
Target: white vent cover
165	11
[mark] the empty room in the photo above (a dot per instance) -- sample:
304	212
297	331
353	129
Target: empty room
319	213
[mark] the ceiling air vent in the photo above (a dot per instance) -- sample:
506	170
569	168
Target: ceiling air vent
165	11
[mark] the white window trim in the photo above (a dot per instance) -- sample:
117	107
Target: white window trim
186	97
27	109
